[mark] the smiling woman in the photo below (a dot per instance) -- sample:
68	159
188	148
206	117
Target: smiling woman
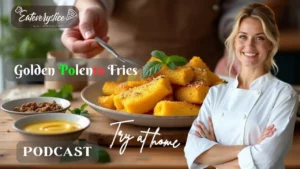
249	122
252	46
254	37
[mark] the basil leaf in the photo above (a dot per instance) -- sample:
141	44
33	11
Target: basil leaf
171	65
159	55
83	106
50	93
151	68
81	142
65	93
76	111
99	154
60	95
84	113
80	111
68	96
178	60
67	89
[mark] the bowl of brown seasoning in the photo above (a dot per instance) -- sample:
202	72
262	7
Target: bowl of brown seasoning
29	106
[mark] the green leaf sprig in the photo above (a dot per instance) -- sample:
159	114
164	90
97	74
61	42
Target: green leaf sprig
171	61
65	93
80	111
99	154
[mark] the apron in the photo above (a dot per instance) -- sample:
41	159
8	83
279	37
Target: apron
177	27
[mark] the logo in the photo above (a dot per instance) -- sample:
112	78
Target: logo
71	14
44	16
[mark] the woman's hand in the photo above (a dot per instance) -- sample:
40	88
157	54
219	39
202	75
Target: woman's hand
201	130
92	22
268	132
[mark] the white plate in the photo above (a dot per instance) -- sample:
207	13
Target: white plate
90	94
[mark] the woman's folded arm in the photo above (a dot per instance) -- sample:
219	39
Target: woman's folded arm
271	150
234	164
201	152
219	154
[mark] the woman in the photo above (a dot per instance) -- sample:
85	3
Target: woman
237	120
278	7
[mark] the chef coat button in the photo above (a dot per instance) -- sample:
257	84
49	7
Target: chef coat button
245	116
222	114
215	7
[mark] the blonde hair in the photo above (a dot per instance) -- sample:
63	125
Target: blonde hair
270	28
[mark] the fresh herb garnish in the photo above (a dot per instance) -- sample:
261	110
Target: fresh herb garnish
171	61
151	68
80	111
65	93
99	154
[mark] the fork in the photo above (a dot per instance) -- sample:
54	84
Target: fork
113	52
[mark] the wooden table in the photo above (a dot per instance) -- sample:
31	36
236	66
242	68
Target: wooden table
157	157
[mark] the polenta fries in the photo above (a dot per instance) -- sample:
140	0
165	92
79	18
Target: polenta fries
169	92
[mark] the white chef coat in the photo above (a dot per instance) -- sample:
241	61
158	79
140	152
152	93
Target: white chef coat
240	116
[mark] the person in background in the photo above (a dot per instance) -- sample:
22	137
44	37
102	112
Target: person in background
134	28
249	122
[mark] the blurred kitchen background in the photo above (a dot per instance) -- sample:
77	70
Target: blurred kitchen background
32	43
25	43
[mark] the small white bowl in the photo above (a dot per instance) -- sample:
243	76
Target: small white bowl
67	136
9	106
